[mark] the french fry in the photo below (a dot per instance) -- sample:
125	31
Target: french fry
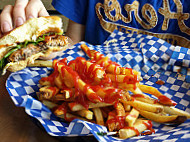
61	112
49	80
70	81
48	92
128	79
132	117
41	63
136	90
175	111
127	107
110	121
44	82
105	112
162	118
98	116
101	104
91	70
124	86
144	98
55	78
61	109
125	98
93	54
70	117
91	95
66	76
49	104
57	62
162	99
111	67
115	121
58	81
109	94
120	110
115	69
139	126
65	95
85	113
74	106
144	106
102	88
128	87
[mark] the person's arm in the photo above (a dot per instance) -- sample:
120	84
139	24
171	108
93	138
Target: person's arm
14	16
75	31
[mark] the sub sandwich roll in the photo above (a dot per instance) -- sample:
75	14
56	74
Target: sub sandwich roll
36	38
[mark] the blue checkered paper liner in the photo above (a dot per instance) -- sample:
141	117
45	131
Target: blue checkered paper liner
153	57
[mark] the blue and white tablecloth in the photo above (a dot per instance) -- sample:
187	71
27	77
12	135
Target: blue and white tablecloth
153	57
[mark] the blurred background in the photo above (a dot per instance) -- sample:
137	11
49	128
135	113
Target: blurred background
47	4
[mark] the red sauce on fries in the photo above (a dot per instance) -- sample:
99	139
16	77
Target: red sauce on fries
86	74
50	78
63	108
148	124
119	120
166	100
99	83
138	96
160	82
112	95
53	89
149	127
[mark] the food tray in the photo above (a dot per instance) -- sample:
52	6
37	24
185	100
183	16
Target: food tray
153	57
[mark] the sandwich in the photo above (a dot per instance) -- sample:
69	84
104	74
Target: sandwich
36	38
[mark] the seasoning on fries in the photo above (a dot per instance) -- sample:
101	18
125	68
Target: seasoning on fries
101	91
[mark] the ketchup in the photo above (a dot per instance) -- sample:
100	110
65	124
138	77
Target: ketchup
82	99
112	95
50	78
129	79
149	127
53	89
120	120
87	72
130	69
138	96
166	100
160	82
55	73
63	108
148	124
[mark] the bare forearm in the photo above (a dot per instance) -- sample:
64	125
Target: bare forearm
75	31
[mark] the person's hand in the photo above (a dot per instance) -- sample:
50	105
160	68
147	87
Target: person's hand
14	16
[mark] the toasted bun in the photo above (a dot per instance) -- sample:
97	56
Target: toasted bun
30	31
16	66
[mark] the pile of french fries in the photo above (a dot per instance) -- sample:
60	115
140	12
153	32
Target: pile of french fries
101	91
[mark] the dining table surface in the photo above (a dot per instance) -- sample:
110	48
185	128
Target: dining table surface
17	126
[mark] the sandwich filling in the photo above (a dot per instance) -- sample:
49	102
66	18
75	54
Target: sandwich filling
24	50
